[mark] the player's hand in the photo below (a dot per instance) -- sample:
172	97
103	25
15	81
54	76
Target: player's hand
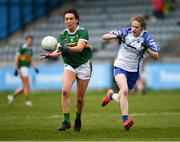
119	39
16	72
36	70
62	48
45	56
145	48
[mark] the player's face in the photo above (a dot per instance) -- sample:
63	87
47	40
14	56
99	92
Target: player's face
136	28
70	21
29	41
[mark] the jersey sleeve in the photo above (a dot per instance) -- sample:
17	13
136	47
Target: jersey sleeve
150	43
84	35
120	31
21	50
60	38
32	52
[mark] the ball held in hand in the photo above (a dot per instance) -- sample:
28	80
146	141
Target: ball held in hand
49	43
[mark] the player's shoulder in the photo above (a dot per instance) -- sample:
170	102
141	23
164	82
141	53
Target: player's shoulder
147	35
63	32
20	47
82	28
125	31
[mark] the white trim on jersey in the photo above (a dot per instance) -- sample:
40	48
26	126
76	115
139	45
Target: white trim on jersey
73	32
83	39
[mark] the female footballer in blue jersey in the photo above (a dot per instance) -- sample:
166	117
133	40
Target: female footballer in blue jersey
136	42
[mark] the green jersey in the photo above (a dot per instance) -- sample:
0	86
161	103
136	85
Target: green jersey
25	56
75	59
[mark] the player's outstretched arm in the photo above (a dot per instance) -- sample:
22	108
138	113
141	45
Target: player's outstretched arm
54	54
33	65
109	36
65	49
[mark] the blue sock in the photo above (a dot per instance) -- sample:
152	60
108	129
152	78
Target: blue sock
110	96
125	117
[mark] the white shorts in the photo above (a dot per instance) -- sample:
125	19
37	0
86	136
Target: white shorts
24	71
83	71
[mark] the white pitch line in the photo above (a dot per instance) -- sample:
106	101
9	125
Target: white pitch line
155	114
132	114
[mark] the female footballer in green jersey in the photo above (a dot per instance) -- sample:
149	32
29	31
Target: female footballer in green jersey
76	53
23	60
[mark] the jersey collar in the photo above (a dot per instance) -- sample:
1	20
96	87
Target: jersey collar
142	33
73	32
25	45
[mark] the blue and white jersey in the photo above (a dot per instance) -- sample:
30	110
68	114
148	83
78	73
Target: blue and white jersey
131	51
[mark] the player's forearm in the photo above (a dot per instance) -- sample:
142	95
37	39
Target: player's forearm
32	63
75	49
55	54
153	54
80	46
109	36
16	62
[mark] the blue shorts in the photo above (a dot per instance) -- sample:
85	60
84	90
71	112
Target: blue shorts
132	77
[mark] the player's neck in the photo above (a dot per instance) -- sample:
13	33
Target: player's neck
72	30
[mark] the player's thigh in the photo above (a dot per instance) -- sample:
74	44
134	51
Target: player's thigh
121	81
25	80
24	71
68	78
84	71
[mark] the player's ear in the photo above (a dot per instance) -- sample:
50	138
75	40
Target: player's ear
77	21
142	29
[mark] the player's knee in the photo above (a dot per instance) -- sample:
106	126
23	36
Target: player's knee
124	92
79	100
65	92
80	103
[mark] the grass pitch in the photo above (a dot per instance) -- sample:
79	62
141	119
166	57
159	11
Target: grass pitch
156	116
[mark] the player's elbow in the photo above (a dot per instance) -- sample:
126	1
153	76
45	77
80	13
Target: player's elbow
157	57
153	54
105	37
80	49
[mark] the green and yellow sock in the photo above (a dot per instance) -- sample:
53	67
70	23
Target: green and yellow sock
66	117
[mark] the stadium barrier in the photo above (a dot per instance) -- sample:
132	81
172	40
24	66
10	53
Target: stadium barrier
158	76
50	77
162	75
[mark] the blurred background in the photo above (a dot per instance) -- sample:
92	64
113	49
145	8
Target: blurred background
40	18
